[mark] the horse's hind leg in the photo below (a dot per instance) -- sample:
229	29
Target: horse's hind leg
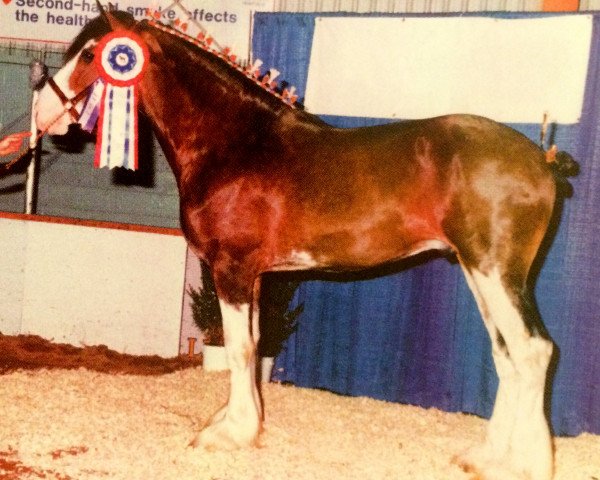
518	443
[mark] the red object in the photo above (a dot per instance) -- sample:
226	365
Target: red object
560	5
191	346
107	75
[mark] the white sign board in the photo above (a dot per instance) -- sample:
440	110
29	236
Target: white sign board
511	70
92	285
228	21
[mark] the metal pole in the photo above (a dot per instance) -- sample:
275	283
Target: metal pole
38	73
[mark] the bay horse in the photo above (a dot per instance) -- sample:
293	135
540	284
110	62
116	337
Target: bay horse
267	187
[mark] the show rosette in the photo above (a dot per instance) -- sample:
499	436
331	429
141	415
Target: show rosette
121	59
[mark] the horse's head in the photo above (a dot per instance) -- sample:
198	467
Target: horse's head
61	99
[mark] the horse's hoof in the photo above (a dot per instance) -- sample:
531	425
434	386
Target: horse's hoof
486	470
225	434
483	465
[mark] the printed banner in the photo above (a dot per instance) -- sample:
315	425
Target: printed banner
228	21
511	70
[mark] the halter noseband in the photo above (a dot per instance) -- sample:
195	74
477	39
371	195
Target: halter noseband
69	106
68	103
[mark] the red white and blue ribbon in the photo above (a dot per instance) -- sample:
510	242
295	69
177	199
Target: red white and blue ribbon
91	108
121	58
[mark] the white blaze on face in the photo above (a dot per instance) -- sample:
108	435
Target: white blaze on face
49	111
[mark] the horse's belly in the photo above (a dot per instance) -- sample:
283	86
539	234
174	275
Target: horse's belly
362	245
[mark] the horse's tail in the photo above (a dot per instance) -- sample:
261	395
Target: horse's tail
564	165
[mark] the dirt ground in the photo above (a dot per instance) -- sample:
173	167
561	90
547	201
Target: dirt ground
31	352
90	413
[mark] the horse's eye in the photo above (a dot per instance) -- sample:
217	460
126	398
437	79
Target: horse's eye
87	56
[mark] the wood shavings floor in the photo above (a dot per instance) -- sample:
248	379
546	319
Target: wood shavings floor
80	424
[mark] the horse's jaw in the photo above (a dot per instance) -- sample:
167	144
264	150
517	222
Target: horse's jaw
51	116
47	121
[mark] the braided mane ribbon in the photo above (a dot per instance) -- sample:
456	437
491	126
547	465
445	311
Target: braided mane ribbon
121	58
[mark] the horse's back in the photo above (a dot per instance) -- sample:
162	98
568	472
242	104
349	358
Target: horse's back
402	152
363	196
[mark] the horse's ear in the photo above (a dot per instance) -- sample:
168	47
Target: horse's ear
114	23
102	10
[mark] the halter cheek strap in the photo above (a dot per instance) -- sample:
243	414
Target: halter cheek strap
69	104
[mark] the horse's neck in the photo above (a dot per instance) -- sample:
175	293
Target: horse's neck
197	113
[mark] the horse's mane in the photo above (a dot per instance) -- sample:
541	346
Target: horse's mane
225	72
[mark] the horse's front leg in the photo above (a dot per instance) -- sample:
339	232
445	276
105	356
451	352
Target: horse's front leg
238	423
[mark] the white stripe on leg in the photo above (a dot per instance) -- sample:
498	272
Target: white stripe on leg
501	422
518	444
238	424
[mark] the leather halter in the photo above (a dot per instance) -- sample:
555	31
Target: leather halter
69	104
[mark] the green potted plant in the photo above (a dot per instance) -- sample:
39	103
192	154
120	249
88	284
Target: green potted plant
277	322
207	316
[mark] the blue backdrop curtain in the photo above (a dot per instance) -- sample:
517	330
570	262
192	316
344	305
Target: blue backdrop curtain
415	336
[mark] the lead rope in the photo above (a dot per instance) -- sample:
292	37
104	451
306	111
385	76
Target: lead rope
68	107
7	166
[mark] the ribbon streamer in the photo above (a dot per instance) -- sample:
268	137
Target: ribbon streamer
121	59
91	108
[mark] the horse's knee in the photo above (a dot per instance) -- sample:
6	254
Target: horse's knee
238	341
532	364
241	356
